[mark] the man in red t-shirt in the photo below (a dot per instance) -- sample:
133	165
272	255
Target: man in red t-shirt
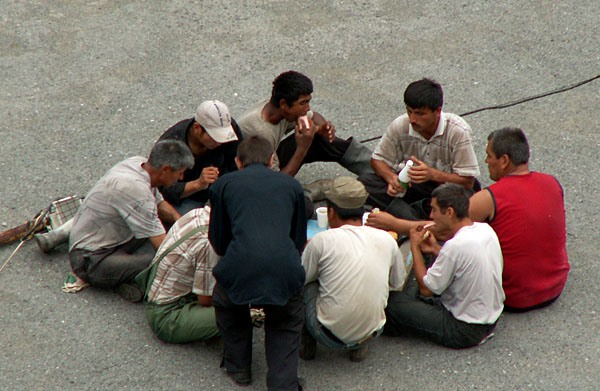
526	209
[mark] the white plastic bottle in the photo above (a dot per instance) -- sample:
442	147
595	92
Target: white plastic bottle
403	178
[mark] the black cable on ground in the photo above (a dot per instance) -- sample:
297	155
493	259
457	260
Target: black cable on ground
516	102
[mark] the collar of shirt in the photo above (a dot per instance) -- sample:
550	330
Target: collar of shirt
441	128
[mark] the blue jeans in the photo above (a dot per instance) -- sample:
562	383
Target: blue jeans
319	332
188	204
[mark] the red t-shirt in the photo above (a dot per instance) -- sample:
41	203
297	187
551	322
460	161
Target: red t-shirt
530	223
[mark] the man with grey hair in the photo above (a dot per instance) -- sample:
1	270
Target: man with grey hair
527	210
350	270
119	225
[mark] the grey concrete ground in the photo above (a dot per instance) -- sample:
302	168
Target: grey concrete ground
85	84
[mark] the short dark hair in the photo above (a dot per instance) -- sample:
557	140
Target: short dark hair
455	196
172	153
254	150
345	213
424	93
290	86
511	142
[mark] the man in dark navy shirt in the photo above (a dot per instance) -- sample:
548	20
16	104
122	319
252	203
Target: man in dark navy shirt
258	226
213	137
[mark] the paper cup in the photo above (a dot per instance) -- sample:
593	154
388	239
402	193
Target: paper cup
322	217
365	217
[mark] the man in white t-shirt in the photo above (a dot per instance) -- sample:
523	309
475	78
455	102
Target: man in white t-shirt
119	225
350	270
466	274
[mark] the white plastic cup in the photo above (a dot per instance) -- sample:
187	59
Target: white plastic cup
365	217
322	217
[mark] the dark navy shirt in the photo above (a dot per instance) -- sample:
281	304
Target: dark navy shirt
258	225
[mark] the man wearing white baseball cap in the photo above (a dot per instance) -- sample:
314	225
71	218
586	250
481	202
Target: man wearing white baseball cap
213	137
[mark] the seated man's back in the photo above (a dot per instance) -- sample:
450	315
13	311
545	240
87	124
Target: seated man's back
531	228
356	266
526	209
180	282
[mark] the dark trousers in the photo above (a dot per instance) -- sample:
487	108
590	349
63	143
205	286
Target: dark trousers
283	326
414	205
319	151
407	310
109	268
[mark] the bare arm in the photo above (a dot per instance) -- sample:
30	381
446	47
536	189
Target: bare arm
481	206
386	221
418	244
304	137
167	213
205	301
421	172
209	175
325	128
386	173
157	240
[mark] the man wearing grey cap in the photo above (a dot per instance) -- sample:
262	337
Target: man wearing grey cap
213	137
350	270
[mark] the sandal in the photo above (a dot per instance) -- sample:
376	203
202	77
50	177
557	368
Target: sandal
73	284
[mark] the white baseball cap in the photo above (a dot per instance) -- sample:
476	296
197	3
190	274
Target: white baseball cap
214	117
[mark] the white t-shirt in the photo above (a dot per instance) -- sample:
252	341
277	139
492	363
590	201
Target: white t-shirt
467	273
119	207
356	267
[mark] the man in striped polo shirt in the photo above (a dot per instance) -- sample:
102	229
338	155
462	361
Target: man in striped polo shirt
438	143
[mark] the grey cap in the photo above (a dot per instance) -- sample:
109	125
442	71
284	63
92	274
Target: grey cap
347	192
214	117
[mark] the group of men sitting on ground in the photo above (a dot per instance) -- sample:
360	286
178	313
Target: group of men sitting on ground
465	256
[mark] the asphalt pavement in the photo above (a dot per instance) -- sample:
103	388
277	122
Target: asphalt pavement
84	85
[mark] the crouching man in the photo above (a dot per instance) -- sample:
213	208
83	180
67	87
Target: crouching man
466	273
349	272
258	226
179	283
120	223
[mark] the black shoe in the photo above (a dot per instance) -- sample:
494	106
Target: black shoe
359	354
242	379
308	346
130	292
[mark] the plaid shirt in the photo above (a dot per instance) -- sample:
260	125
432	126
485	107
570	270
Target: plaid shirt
188	267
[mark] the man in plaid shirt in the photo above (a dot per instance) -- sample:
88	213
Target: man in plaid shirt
179	297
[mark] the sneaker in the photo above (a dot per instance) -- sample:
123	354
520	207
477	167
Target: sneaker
257	315
359	354
242	379
73	284
308	346
50	240
316	190
301	383
42	242
487	338
130	292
